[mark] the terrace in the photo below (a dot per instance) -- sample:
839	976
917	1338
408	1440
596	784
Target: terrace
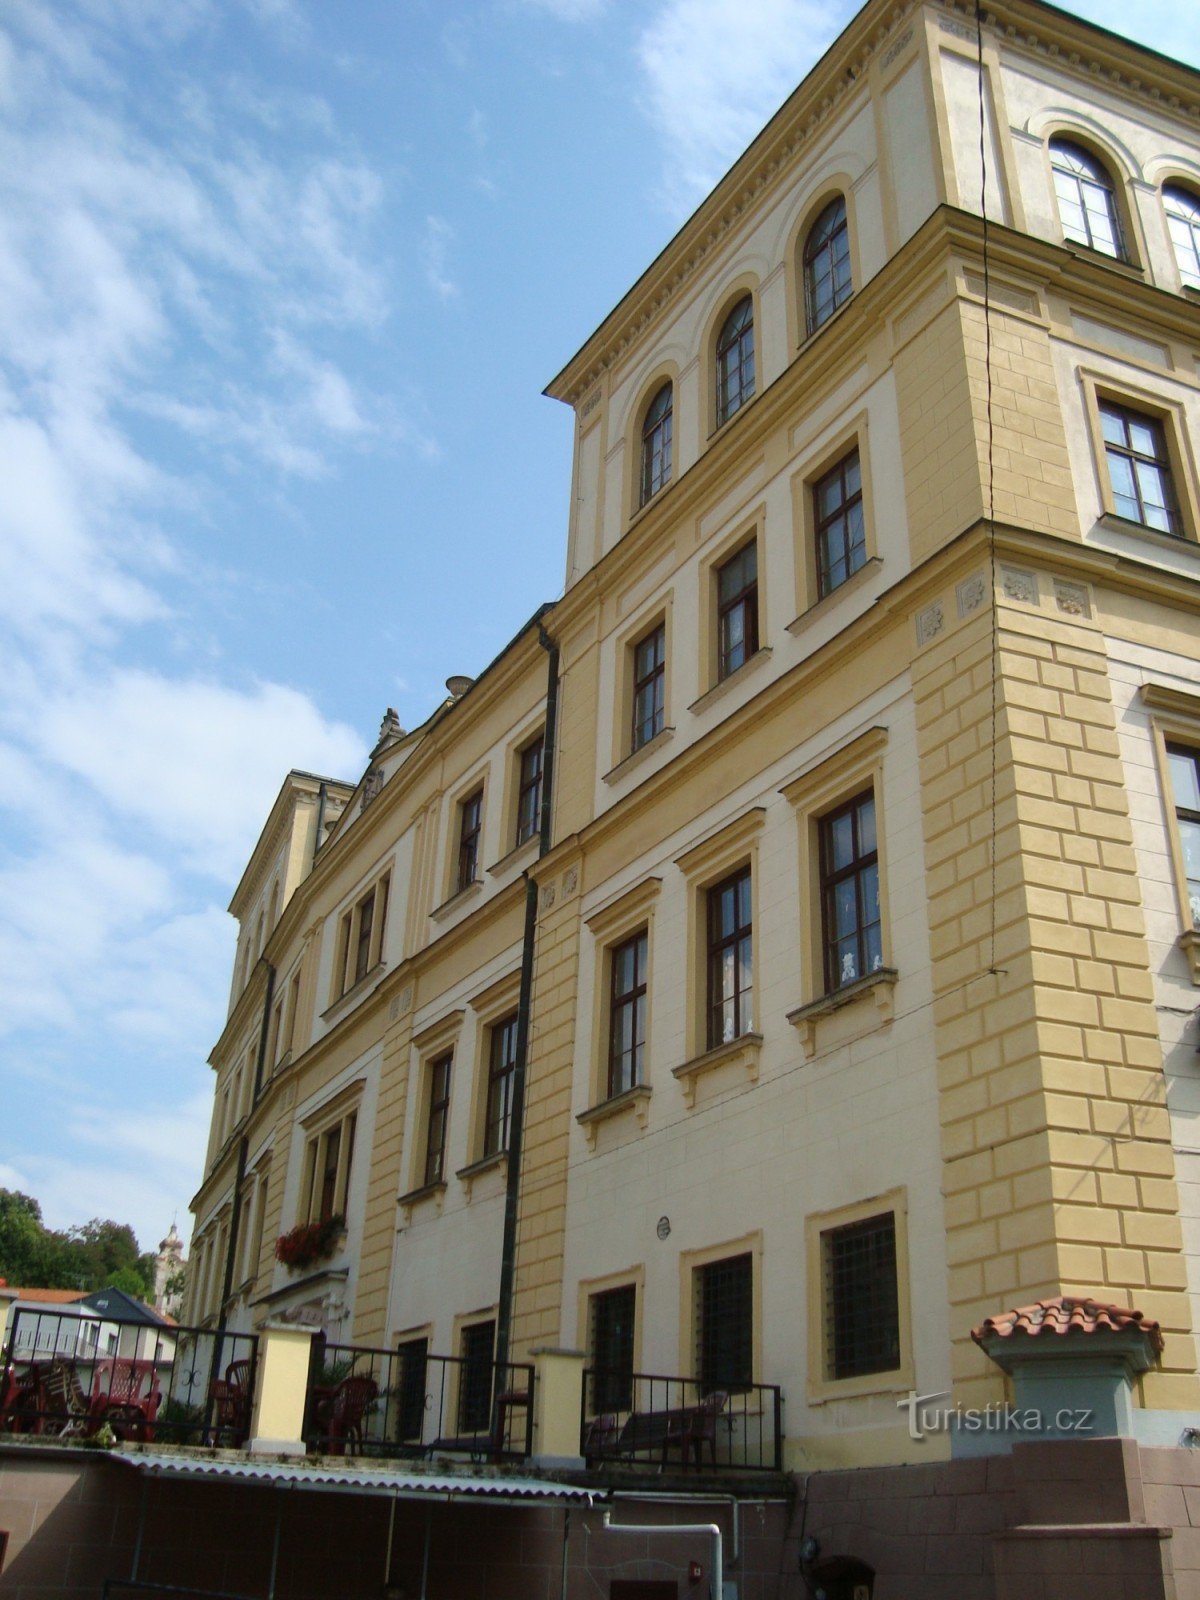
285	1391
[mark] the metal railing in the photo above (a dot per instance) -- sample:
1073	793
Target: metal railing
409	1402
648	1418
67	1374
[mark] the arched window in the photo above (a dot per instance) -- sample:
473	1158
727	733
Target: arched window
1087	204
656	444
735	360
1183	223
827	281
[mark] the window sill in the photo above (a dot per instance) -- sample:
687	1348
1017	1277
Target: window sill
896	1380
457	900
355	992
741	1052
718	690
818	609
470	1174
1142	531
1085	252
521	855
415	1197
636	757
1189	943
636	1100
876	985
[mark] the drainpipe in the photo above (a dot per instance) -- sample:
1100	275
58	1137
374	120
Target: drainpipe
517	1115
710	1529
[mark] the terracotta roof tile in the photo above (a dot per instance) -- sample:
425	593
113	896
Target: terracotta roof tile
1065	1314
49	1297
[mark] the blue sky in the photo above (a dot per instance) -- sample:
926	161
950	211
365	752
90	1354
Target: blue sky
281	282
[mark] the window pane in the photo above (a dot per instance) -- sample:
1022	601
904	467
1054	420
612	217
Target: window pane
1185	778
862	1320
726	1330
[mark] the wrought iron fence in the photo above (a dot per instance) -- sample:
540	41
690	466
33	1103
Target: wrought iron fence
67	1374
649	1418
410	1402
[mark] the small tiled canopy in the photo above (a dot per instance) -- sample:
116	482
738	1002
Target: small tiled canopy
1065	1314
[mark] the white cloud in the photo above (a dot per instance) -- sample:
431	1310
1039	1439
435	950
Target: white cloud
435	244
715	70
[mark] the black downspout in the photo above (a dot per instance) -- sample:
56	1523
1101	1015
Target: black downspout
508	1250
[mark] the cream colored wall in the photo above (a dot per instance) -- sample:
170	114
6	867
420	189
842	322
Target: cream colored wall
855	1120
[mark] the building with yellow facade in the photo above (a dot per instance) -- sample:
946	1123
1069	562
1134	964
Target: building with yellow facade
694	1040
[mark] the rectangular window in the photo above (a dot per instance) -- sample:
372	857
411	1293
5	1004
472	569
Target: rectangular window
439	1111
862	1309
502	1061
725	1324
289	1037
529	791
362	941
627	1014
838	519
737	610
850	915
649	686
327	1164
1184	766
475	1378
470	817
611	1315
412	1356
1139	468
730	959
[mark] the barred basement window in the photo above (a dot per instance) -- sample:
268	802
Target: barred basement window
725	1324
412	1357
475	1377
862	1310
612	1321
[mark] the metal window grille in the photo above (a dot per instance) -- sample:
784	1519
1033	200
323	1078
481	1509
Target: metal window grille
529	791
737	610
475	1377
412	1356
827	277
1184	764
730	959
649	686
612	1317
656	444
862	1315
627	1013
1139	468
725	1355
853	933
439	1106
470	816
502	1059
735	360
841	534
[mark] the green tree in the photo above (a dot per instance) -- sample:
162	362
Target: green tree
31	1256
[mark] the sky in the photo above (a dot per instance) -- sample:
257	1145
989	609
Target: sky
281	283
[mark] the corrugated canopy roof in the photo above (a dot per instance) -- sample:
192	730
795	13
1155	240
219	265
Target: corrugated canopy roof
265	1473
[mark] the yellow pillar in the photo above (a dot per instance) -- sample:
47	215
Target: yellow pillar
557	1398
281	1384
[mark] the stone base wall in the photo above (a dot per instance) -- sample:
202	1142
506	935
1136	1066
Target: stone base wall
1049	1520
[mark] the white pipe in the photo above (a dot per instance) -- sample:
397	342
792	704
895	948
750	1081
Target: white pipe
717	1583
